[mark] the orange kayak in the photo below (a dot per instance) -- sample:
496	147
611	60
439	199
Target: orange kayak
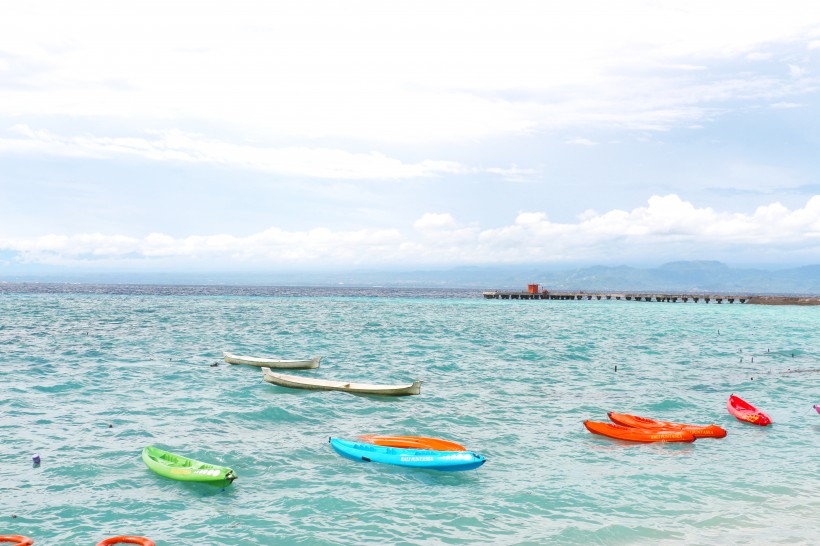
620	432
634	421
412	442
744	411
18	540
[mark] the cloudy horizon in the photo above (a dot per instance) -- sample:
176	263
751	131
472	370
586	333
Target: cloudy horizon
179	135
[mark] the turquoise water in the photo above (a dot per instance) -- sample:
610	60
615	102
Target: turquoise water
90	379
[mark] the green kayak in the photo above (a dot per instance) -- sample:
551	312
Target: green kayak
184	469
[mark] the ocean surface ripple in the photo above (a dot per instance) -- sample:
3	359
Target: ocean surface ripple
92	375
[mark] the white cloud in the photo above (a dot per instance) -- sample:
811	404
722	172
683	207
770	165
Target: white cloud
189	148
352	92
270	246
177	146
666	226
325	69
588	214
531	219
796	71
514	173
581	141
435	221
438	229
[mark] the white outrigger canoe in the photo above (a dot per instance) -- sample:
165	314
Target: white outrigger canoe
272	362
298	382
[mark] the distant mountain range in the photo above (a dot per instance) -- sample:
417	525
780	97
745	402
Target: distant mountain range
689	276
695	276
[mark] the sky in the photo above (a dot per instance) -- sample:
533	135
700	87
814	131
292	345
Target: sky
258	135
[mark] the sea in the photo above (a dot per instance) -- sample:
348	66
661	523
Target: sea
91	374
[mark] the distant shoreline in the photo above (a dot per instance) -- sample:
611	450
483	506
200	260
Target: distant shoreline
240	290
696	277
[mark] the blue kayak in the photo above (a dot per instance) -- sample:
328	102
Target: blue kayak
416	458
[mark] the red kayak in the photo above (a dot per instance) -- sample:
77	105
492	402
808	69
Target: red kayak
412	442
127	539
744	411
646	436
634	421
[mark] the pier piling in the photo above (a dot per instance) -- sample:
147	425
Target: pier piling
652	297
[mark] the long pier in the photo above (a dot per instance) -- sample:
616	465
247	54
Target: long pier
654	297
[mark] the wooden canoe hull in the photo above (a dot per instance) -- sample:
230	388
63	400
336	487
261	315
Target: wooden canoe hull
451	461
744	411
412	442
635	421
184	469
645	436
310	383
276	363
